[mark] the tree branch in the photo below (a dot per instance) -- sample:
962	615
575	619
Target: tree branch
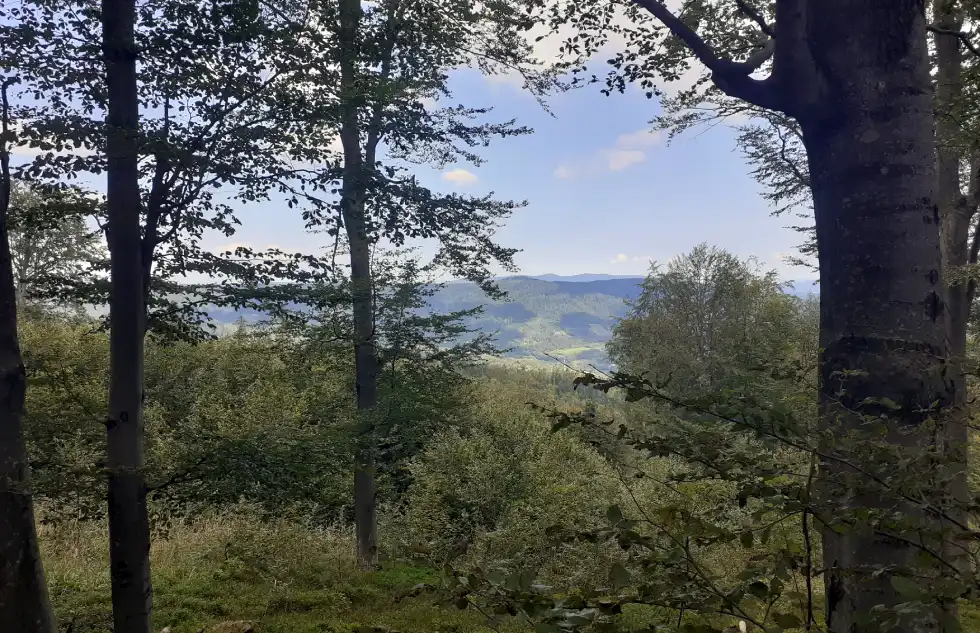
731	77
964	37
756	17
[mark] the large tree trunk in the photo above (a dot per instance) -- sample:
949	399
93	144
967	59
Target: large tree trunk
24	603
870	150
129	534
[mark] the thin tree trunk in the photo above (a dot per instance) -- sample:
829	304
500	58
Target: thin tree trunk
24	603
355	222
872	163
129	534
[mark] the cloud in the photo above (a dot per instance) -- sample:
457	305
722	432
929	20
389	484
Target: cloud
460	177
640	138
628	150
563	172
621	258
617	159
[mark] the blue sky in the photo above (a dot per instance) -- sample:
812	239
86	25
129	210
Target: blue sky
604	195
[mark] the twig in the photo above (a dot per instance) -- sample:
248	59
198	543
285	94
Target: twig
756	17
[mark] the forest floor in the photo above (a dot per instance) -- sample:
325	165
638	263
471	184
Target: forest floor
282	577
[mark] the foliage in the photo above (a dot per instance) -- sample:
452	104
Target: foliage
49	236
219	108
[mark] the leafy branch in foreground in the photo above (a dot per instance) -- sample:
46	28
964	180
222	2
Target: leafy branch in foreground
740	535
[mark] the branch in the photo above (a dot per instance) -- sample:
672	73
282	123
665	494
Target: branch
964	37
6	183
731	77
756	17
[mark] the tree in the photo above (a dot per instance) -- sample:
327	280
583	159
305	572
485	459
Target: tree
24	602
50	237
388	59
705	321
420	353
129	528
220	109
854	76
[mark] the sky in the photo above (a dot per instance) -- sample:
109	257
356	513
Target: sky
604	193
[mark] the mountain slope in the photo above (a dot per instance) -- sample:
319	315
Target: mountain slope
570	318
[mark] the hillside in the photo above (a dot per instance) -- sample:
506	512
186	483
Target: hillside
570	318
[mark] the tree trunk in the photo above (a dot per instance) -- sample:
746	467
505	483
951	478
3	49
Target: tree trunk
366	379
24	603
955	213
871	155
129	534
355	220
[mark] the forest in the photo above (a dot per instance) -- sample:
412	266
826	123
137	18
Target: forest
359	460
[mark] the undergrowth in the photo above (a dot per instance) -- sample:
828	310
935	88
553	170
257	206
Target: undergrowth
282	576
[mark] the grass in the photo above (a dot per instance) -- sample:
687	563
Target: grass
283	577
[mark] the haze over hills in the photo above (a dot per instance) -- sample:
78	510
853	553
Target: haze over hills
545	316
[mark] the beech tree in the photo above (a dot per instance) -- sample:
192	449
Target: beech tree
24	602
389	60
50	237
854	78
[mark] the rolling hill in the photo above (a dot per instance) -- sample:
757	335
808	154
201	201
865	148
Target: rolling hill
544	317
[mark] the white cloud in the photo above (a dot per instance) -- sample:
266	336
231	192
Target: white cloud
621	258
640	138
617	159
563	172
628	150
460	177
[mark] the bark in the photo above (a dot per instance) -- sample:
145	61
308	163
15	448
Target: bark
870	149
129	535
24	603
353	210
956	214
855	75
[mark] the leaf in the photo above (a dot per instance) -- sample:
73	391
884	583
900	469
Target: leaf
747	539
905	586
759	589
787	620
614	514
619	576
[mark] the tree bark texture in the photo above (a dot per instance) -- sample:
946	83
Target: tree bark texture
25	606
855	75
129	534
956	212
353	210
870	149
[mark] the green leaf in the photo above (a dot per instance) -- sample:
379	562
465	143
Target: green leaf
759	589
614	514
905	586
747	539
619	576
787	620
